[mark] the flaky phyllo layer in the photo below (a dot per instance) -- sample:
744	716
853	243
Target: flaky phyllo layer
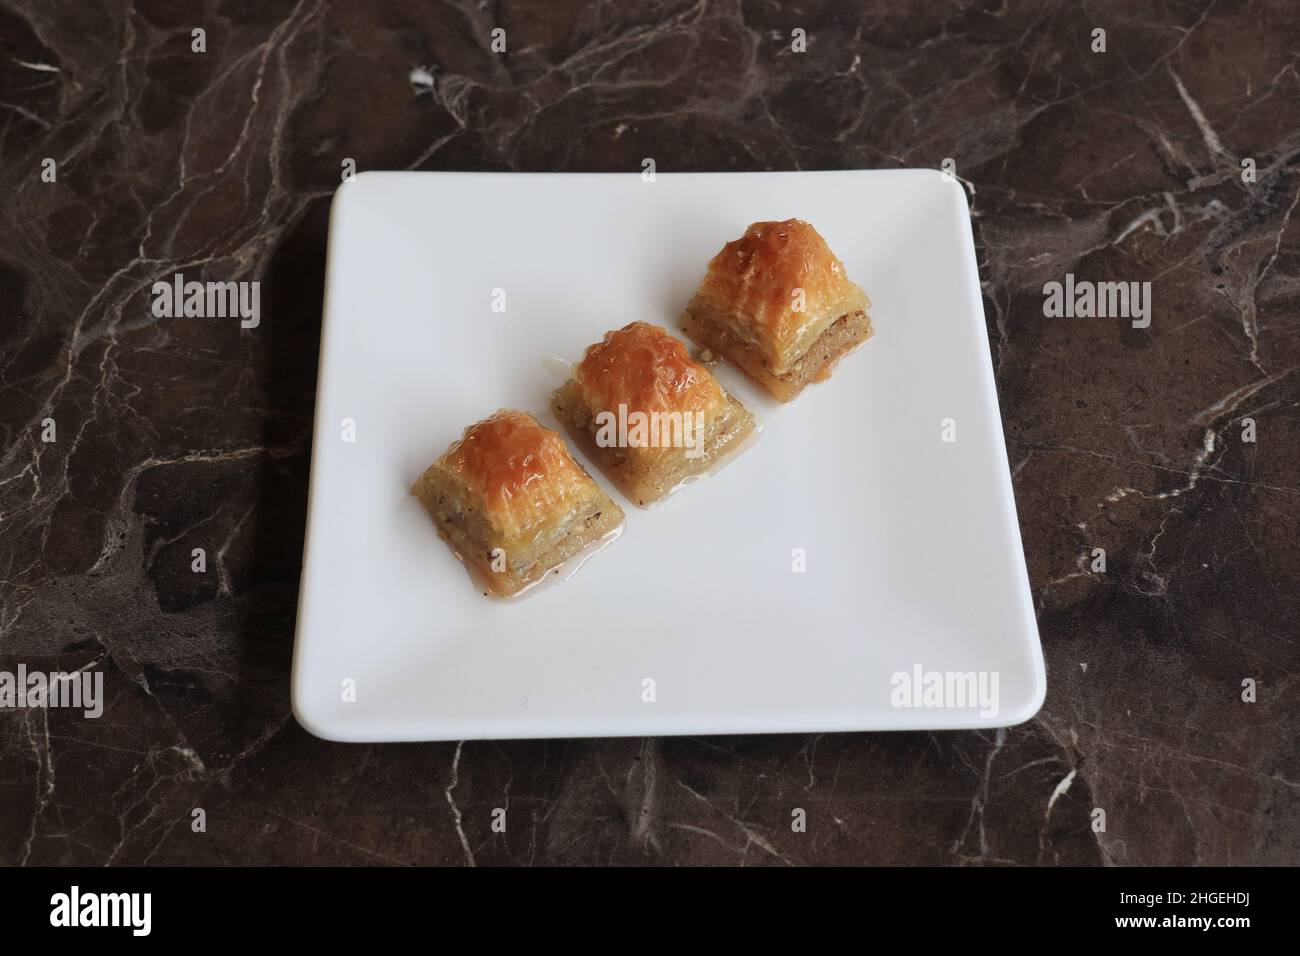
647	414
513	504
777	289
522	472
645	393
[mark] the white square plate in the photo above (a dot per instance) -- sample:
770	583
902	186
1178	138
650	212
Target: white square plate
910	543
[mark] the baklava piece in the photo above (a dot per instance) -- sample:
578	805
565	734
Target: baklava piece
777	304
513	504
647	414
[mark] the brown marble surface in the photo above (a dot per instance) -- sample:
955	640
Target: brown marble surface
1123	164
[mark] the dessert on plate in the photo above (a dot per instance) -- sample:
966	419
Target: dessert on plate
650	416
513	504
777	304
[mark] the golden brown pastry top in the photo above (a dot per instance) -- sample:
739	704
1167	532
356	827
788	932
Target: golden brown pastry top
751	285
522	471
645	368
